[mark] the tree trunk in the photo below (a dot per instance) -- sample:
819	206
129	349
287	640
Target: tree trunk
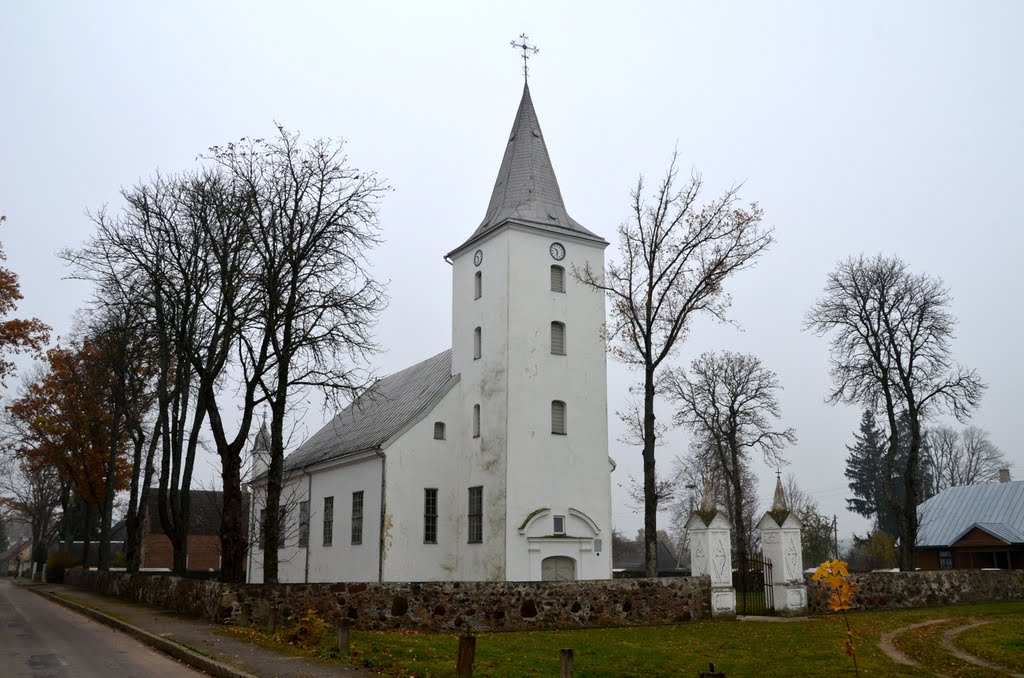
233	543
650	479
272	529
107	517
86	534
908	539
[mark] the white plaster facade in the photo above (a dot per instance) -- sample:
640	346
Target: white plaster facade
546	496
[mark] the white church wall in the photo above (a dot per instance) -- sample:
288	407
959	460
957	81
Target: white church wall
558	472
415	462
342	560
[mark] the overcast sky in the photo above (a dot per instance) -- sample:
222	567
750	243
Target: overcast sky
859	127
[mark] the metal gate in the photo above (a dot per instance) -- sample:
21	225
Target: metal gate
752	579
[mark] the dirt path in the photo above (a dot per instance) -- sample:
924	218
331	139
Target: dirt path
887	644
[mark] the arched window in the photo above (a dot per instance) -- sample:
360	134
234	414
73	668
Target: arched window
478	285
476	344
557	279
557	338
438	430
558	417
476	421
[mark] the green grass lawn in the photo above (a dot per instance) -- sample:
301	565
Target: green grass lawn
812	647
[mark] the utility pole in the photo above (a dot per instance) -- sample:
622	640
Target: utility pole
835	533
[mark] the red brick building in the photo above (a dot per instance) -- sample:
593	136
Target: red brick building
203	538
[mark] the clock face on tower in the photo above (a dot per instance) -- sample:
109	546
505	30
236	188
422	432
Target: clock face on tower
557	251
478	257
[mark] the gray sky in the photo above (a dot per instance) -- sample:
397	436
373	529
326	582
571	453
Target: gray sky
867	126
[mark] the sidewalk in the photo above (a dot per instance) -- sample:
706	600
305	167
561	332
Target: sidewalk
193	641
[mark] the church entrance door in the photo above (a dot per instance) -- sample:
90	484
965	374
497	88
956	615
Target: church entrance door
558	568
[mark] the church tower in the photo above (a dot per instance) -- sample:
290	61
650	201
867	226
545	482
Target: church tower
527	343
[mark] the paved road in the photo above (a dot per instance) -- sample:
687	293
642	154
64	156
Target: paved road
40	639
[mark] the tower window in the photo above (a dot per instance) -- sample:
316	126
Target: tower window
476	344
476	421
476	515
430	516
438	430
558	417
478	285
557	338
557	279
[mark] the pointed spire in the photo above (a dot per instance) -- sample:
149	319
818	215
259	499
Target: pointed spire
779	501
526	190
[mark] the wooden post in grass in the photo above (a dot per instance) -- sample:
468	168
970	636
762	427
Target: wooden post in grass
566	664
712	673
343	629
467	651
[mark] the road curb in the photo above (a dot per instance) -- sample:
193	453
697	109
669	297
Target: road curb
168	647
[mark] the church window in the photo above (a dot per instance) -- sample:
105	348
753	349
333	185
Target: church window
438	430
303	524
478	285
557	279
559	526
558	417
476	344
357	517
557	338
476	515
328	521
476	421
430	515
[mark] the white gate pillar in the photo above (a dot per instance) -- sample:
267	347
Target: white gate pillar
780	543
711	554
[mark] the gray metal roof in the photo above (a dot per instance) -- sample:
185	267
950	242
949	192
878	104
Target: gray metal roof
997	508
526	190
378	414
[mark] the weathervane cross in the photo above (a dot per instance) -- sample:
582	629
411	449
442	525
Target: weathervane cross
528	50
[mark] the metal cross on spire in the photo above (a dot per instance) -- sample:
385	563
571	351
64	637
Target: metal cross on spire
528	50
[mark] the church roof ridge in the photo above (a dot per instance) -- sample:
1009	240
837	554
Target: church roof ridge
526	190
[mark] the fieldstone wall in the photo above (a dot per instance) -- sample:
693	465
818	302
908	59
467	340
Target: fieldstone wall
894	590
426	606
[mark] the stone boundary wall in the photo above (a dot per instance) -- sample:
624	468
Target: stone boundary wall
896	590
426	606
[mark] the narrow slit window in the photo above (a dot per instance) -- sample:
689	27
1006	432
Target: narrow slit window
328	521
478	287
430	516
303	524
558	417
557	338
476	515
476	421
438	430
559	526
357	517
476	343
557	279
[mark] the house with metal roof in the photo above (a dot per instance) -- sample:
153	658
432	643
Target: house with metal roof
973	527
488	461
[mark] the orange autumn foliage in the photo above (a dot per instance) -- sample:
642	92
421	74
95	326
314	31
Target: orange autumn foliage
16	335
67	418
833	574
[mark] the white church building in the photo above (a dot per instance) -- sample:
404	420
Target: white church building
488	461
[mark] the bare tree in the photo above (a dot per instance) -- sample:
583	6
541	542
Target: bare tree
730	402
675	258
31	493
890	351
962	457
312	221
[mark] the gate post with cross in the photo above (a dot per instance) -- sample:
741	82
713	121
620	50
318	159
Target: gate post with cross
780	542
711	554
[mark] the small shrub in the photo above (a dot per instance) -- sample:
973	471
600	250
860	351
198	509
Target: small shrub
312	633
119	560
57	563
